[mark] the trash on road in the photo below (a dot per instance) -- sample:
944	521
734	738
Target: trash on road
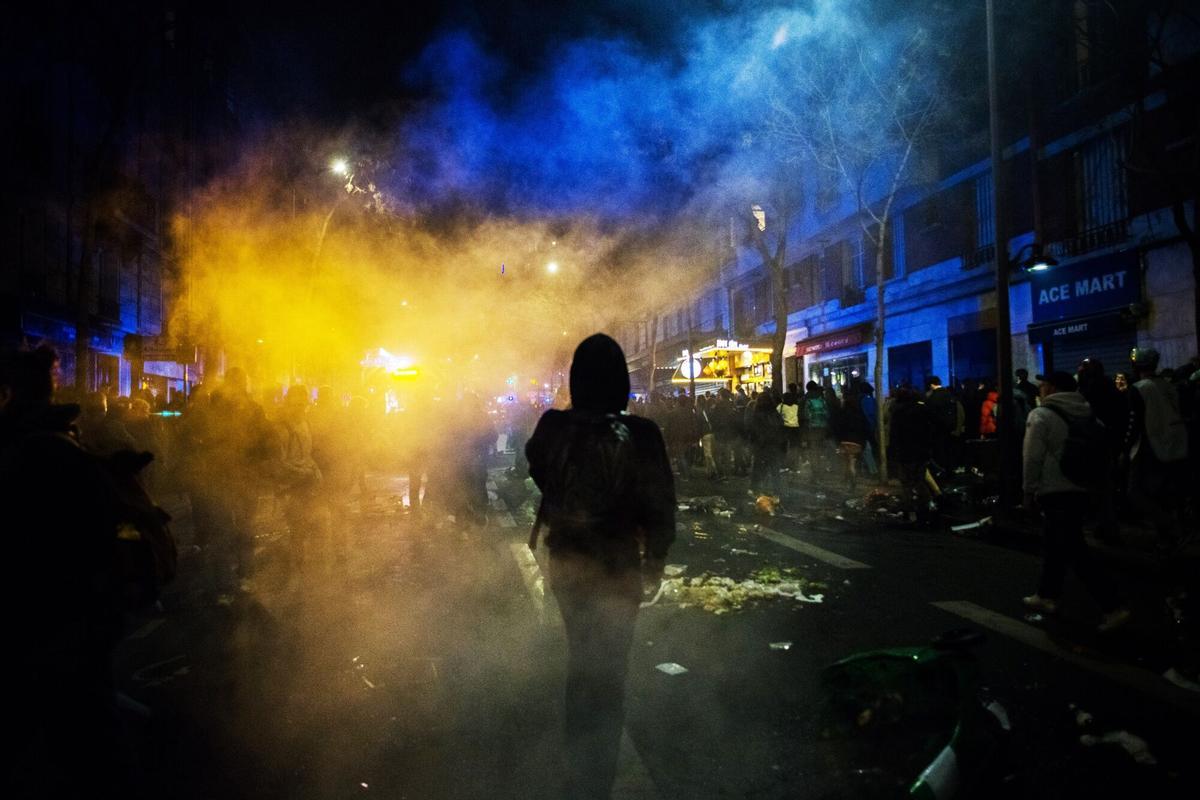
709	504
671	668
970	526
737	551
1034	618
717	594
1135	746
766	504
781	645
1082	718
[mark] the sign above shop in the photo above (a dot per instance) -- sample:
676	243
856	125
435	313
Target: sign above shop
1087	287
847	337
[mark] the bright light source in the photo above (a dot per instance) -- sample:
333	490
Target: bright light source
1040	266
340	167
552	267
403	302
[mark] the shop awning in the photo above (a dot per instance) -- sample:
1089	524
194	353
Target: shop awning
834	340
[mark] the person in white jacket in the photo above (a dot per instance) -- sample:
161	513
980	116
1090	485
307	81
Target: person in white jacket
1063	503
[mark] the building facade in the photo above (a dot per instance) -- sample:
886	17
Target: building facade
1088	166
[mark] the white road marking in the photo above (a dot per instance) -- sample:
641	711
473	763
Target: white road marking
633	780
532	575
1142	680
810	550
147	629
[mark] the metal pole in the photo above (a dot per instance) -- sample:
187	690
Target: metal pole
691	357
1004	420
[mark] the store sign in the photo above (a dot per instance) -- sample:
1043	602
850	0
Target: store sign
834	341
1090	327
730	344
1089	287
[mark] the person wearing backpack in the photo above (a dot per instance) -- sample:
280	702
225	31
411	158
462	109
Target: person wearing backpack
1157	442
608	498
815	411
1061	437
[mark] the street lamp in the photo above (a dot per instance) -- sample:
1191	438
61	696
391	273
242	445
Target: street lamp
552	267
339	166
1036	261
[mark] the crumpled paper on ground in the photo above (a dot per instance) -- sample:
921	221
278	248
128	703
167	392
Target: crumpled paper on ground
1136	746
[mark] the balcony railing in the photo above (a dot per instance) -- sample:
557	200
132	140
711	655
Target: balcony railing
979	257
1113	233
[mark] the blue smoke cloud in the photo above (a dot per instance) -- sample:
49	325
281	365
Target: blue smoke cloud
610	128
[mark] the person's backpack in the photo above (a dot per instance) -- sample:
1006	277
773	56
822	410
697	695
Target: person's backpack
143	548
816	412
1085	455
591	477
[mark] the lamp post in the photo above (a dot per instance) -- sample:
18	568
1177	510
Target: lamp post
1004	365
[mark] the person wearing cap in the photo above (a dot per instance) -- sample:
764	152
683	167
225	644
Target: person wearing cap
1157	443
1063	503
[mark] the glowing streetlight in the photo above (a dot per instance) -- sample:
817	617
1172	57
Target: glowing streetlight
340	167
552	267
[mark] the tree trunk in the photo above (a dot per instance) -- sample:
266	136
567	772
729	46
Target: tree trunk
780	309
880	390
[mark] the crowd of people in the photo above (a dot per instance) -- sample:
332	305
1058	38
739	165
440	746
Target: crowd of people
828	433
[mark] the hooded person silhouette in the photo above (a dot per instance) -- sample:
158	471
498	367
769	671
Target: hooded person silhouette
609	502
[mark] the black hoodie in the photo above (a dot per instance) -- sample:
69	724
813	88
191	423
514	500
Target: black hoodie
599	391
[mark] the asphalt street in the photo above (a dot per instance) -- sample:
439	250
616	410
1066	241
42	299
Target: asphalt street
429	663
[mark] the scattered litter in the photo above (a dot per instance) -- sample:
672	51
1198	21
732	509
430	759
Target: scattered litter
367	681
737	551
766	504
855	504
1034	618
1182	681
781	645
710	504
1082	718
1137	747
727	513
671	668
674	570
970	526
720	595
839	518
364	785
1001	714
846	582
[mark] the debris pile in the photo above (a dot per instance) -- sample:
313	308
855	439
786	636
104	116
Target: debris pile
718	594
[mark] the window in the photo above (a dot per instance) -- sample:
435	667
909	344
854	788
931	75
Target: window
1101	176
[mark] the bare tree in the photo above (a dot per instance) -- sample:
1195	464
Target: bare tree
864	111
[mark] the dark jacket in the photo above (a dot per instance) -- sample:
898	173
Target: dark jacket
646	512
912	428
852	423
61	584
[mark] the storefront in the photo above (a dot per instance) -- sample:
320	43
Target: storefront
726	363
1083	310
829	362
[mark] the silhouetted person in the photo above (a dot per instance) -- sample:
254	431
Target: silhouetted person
61	597
609	502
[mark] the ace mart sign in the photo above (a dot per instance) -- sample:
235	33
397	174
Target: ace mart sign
1087	287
